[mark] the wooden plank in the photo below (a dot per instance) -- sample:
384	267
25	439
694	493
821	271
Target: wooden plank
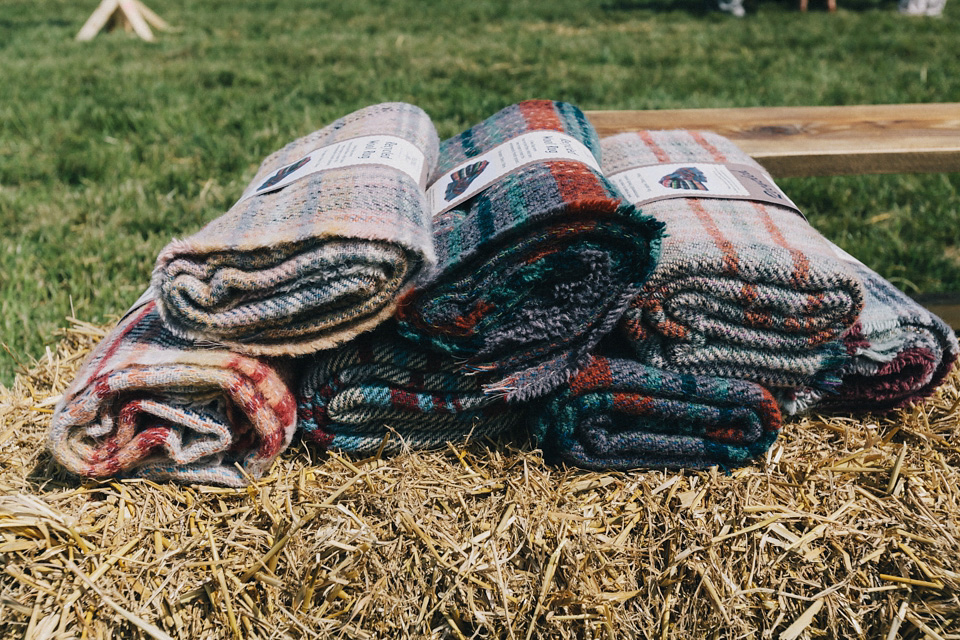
819	141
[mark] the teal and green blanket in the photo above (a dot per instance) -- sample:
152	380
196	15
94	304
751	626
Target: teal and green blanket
537	268
622	414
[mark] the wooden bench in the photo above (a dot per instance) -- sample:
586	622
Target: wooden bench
826	141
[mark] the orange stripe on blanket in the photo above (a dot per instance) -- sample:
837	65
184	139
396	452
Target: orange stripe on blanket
731	262
633	404
595	376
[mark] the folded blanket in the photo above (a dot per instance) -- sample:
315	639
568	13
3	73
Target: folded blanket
310	265
898	353
351	398
622	414
535	269
148	404
743	289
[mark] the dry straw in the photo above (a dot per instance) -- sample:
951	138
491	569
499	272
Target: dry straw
849	528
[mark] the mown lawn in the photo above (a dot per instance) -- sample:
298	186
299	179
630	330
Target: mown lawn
110	148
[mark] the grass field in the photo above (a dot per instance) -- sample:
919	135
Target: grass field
110	148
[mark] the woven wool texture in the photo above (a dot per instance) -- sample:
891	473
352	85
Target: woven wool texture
535	269
353	397
898	353
315	263
148	404
743	289
622	414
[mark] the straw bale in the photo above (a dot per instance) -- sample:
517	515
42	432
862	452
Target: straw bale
848	528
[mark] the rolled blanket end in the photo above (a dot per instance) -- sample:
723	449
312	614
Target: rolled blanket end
534	269
381	392
622	414
307	260
149	404
896	354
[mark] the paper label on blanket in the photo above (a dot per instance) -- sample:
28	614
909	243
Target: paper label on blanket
643	185
476	174
389	151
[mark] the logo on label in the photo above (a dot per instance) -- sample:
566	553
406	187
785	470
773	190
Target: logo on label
685	178
460	180
282	173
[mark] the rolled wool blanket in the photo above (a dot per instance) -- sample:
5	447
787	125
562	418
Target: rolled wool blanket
744	288
536	268
898	353
311	265
622	414
353	397
148	404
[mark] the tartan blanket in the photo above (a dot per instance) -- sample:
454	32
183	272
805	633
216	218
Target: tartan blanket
743	289
622	414
380	385
535	269
311	265
898	353
148	404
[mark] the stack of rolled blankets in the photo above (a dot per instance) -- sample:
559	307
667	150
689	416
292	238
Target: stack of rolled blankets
197	382
647	300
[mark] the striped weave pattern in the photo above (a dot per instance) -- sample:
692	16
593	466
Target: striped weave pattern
898	353
353	397
313	264
535	269
622	414
742	289
148	404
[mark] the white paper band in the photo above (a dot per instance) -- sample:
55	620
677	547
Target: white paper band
389	151
476	174
650	183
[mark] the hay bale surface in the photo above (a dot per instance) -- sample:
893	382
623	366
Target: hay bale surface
848	528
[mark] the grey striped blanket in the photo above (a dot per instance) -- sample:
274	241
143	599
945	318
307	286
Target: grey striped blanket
743	289
897	353
313	264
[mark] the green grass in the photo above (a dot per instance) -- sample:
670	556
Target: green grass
110	148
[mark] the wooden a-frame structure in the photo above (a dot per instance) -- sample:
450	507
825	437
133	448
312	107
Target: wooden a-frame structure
132	15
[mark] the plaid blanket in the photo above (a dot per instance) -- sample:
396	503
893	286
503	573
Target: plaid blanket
898	353
353	397
148	404
743	289
534	270
622	414
315	263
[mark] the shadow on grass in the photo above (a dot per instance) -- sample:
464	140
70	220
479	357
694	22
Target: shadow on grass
6	23
695	7
704	7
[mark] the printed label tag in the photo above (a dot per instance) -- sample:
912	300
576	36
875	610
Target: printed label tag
390	151
651	183
476	174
